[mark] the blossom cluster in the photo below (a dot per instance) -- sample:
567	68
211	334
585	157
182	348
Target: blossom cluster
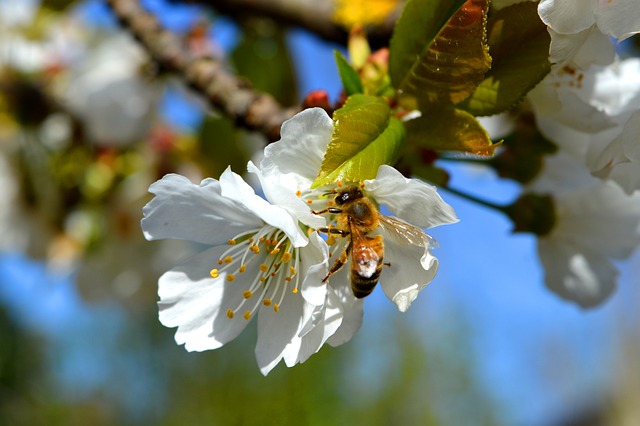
589	106
271	257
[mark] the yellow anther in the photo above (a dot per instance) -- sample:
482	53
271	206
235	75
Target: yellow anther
255	249
228	259
229	313
247	294
220	262
263	279
242	268
309	202
264	267
292	270
275	251
298	193
276	307
266	302
286	257
339	183
295	290
261	239
288	279
231	277
214	273
247	315
232	242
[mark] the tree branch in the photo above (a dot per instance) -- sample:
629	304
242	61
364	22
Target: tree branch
224	91
313	15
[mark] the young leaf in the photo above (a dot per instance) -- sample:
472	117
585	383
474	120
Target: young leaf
450	130
519	45
350	78
444	68
364	138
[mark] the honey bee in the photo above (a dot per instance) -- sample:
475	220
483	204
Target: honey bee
356	217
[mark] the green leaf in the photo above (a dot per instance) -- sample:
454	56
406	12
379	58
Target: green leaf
519	45
365	137
450	130
438	51
350	78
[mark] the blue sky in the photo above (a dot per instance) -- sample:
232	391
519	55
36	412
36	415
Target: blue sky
535	354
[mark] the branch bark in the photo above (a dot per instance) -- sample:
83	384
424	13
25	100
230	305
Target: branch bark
208	76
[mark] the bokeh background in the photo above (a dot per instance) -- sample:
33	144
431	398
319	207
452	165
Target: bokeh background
87	123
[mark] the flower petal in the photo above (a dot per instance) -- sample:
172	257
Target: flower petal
276	330
619	19
191	212
412	268
279	195
197	304
296	158
235	188
584	277
567	16
353	309
314	265
582	49
412	200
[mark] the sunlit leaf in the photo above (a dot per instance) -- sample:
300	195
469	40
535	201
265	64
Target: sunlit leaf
350	78
450	130
364	138
519	45
438	51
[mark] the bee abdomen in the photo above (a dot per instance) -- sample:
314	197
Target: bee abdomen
361	286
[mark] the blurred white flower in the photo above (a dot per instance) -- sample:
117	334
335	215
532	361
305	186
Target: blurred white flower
596	222
294	162
619	19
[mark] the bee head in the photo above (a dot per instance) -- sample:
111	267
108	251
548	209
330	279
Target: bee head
348	194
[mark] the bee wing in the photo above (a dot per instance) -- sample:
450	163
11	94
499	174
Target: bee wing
404	232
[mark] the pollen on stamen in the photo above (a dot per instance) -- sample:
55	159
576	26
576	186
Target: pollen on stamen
231	277
214	273
242	268
286	257
228	259
288	279
263	279
275	251
255	249
232	242
276	307
247	294
295	290
247	315
264	267
298	193
292	270
220	262
230	313
309	202
261	239
266	302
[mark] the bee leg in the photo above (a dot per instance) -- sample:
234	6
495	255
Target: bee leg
387	264
334	231
339	263
329	210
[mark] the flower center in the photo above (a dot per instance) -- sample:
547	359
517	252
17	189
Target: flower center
265	261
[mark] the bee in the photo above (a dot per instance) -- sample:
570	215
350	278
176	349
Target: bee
357	217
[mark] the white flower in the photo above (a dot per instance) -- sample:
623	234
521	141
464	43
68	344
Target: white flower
258	260
619	19
595	223
293	163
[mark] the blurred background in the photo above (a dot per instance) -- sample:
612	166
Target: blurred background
88	122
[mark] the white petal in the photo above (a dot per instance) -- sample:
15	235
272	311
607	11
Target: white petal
353	309
277	329
581	50
631	141
567	16
296	158
618	18
332	317
412	200
627	175
412	268
584	277
197	304
283	197
314	266
235	188
191	212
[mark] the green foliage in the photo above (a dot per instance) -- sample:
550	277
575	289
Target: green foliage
450	130
519	45
349	76
438	52
364	138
